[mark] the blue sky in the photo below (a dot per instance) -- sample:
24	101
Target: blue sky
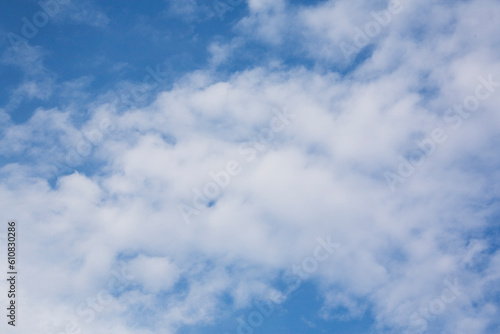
114	42
174	165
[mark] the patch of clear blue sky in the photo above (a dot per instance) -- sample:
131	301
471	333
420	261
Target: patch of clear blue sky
298	315
139	34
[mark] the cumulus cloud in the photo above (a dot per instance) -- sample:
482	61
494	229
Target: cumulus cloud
324	173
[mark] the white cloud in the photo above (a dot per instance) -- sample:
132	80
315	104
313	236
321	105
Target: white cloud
189	10
267	21
154	273
322	175
82	13
221	52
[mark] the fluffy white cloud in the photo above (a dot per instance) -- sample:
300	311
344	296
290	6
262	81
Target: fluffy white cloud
321	174
154	273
